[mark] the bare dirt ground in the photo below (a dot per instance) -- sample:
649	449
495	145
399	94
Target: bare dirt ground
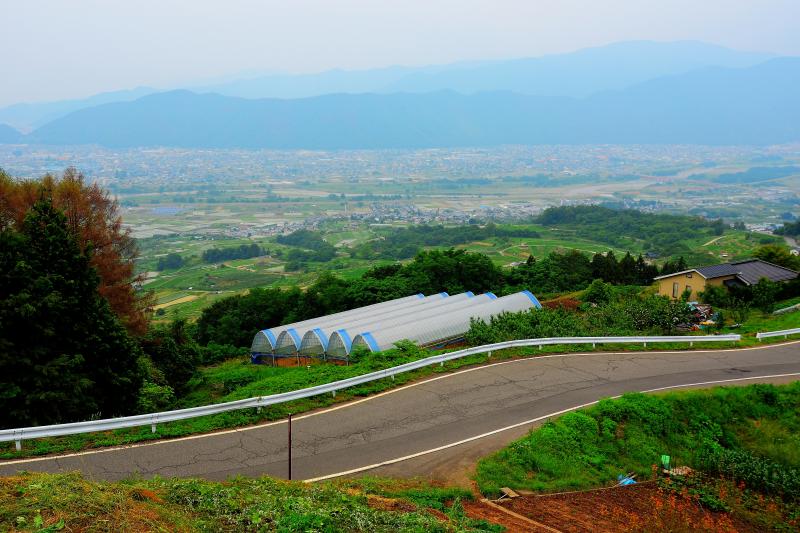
641	507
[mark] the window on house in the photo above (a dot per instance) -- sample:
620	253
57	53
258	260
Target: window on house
675	290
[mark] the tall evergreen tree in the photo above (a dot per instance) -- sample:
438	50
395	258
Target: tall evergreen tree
64	356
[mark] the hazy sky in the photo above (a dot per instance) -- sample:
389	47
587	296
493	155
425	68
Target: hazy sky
54	49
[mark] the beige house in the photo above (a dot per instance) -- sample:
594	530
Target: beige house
747	272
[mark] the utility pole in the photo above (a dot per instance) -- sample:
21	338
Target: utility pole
290	446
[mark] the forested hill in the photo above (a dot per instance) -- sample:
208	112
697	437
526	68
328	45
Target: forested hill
695	107
660	233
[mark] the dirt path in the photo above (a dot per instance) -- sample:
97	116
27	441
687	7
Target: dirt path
712	241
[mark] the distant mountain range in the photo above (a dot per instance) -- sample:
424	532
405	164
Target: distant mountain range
577	74
638	92
754	105
26	116
9	135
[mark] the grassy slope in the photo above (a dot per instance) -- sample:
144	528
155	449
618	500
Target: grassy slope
44	502
589	447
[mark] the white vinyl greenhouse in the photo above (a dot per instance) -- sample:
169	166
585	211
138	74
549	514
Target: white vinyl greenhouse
426	320
446	327
315	341
341	339
266	341
290	339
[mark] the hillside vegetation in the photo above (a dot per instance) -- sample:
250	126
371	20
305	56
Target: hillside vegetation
749	436
68	502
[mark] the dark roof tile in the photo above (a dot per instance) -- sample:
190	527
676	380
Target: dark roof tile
749	271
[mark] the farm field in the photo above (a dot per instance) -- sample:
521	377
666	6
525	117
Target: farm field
206	282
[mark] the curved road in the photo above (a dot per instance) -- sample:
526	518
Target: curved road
481	409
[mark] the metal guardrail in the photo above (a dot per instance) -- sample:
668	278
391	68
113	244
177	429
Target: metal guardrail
19	434
782	333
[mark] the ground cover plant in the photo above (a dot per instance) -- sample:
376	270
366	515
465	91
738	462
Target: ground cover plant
749	436
68	502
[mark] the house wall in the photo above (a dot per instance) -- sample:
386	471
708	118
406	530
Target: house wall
694	280
688	279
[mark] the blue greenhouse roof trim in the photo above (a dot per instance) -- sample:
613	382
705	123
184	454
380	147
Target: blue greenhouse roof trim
270	336
367	336
470	294
443	294
530	295
348	342
323	339
295	336
491	295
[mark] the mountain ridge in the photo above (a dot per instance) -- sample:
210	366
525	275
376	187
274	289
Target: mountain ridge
754	105
578	73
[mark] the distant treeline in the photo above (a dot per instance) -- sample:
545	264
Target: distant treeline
404	243
243	251
663	234
170	262
234	320
544	180
307	246
791	229
756	174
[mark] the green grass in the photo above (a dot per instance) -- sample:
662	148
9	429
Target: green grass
55	502
590	447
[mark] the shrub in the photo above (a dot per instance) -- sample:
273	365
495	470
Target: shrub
154	397
599	292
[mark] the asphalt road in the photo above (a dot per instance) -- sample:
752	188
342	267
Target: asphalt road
425	416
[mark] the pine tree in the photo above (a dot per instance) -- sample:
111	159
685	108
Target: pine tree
64	356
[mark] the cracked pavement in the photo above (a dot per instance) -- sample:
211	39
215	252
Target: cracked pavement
425	415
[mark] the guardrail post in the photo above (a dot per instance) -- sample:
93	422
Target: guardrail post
334	393
594	345
645	344
153	427
18	444
691	343
441	363
489	356
290	446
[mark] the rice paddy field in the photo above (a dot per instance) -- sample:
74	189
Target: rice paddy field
184	292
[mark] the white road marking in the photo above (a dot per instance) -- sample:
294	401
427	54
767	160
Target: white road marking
378	395
531	421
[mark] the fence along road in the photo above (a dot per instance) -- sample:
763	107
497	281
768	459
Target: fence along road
782	333
57	430
436	413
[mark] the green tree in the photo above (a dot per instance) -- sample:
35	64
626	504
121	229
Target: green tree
764	294
599	292
174	354
64	356
778	255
